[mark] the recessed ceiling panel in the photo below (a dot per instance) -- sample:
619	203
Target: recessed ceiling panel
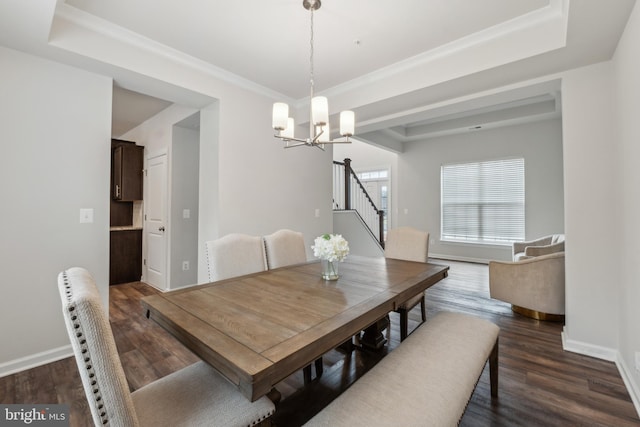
268	41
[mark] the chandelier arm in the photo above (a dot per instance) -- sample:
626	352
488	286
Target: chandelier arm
295	145
302	141
316	137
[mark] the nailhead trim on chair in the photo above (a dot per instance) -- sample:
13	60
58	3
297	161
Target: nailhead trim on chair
79	335
209	266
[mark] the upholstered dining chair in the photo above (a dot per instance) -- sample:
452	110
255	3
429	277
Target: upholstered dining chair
408	244
235	255
284	247
193	396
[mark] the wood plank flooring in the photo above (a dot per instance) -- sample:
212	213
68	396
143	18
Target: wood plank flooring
540	384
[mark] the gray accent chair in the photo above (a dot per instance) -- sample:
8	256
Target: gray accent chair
542	246
235	255
409	244
193	396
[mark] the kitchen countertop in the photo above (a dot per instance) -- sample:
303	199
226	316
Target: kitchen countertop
125	227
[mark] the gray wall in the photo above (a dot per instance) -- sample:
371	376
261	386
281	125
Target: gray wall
417	203
56	138
185	154
354	230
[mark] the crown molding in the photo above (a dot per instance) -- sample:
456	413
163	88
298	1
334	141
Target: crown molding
70	15
555	13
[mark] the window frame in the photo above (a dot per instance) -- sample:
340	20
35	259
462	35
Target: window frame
485	206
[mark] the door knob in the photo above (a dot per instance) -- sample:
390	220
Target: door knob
161	229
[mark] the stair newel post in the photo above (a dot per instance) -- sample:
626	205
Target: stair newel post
347	184
381	227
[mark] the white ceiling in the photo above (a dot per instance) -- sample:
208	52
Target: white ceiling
268	41
265	44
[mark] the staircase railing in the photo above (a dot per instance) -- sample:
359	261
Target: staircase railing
350	194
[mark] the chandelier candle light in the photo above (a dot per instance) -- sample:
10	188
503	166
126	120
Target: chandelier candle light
331	249
319	132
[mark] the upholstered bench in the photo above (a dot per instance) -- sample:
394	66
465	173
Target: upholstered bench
426	381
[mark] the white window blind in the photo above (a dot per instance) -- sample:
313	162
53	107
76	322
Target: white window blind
483	202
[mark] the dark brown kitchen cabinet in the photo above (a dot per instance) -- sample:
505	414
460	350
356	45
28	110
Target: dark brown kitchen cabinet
125	264
127	172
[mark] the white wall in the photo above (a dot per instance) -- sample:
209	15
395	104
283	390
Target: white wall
591	177
264	187
627	93
540	143
56	138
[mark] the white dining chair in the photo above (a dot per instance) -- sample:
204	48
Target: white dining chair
284	247
408	244
193	396
235	255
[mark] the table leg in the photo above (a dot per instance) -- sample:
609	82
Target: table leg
373	339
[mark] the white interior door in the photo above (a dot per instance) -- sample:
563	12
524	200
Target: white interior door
156	221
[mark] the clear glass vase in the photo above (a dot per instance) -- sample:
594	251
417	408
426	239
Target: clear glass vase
329	269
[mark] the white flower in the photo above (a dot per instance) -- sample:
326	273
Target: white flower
332	247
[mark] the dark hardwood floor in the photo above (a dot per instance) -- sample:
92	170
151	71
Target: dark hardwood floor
540	384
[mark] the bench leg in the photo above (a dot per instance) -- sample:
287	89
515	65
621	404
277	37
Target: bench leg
493	369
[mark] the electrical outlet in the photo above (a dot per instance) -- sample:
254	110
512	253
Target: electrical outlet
638	361
185	265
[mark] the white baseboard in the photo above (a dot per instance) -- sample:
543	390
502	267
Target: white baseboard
599	352
610	355
34	360
632	387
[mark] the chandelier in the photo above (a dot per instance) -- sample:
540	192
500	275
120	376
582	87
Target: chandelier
319	132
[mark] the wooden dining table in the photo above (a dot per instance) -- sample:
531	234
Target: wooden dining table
260	328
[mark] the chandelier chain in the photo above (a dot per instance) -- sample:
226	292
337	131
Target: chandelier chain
318	111
311	54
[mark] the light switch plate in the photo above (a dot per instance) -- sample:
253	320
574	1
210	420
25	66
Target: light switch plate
86	216
186	213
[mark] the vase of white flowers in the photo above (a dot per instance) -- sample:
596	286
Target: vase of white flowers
331	249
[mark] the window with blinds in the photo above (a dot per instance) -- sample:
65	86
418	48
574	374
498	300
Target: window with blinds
483	202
